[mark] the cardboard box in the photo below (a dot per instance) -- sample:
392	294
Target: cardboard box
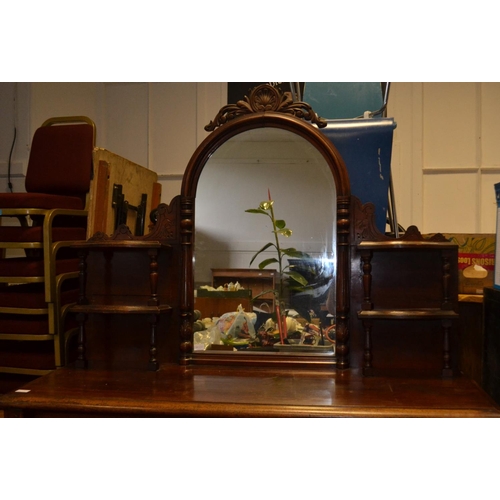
476	261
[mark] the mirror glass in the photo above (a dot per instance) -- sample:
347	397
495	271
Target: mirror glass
242	173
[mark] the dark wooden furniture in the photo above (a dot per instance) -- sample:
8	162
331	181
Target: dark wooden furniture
414	291
103	290
176	391
470	330
253	281
215	304
491	351
256	280
264	385
266	108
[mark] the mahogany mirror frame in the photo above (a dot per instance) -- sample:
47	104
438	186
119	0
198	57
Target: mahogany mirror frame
252	113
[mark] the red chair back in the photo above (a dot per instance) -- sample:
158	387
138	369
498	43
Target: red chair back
61	160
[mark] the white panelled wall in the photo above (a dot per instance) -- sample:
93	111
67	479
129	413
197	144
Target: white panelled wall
446	155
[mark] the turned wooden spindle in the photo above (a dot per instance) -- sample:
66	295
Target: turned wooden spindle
153	364
366	257
153	277
81	360
446	282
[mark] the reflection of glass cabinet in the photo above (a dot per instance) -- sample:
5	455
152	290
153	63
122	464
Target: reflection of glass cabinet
256	280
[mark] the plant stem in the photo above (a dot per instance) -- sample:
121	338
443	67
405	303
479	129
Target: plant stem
280	257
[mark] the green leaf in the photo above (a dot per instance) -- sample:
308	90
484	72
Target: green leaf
256	211
265	247
285	232
297	277
266	205
292	252
266	262
280	224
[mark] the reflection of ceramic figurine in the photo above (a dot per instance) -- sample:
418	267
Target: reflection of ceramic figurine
311	335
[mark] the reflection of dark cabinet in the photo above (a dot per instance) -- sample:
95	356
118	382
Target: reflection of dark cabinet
406	282
256	280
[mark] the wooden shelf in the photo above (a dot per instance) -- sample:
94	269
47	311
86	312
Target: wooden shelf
405	245
119	309
408	280
128	272
429	313
100	245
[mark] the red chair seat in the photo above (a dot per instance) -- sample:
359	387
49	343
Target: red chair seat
32	295
24	324
19	234
27	267
40	200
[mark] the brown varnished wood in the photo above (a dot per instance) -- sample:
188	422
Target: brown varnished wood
127	287
406	290
131	278
176	391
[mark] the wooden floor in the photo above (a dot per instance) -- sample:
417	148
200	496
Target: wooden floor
175	391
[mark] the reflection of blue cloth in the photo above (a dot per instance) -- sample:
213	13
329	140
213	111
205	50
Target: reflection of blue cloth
366	148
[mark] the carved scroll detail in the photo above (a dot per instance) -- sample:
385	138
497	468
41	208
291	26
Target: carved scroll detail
122	232
165	227
265	98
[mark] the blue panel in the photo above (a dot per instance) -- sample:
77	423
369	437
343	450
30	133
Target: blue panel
366	148
337	100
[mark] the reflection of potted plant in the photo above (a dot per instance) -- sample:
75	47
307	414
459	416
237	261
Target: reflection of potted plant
288	278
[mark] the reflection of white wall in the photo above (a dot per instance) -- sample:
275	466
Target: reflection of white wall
301	186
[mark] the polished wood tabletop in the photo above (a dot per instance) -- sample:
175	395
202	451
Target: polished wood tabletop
176	391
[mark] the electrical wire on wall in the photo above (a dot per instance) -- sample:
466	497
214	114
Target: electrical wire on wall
9	183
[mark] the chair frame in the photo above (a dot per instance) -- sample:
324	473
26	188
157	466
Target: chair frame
52	283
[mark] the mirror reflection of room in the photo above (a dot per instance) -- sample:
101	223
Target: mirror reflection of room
240	292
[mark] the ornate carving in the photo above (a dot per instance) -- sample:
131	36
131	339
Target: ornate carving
364	223
412	234
164	227
122	233
266	98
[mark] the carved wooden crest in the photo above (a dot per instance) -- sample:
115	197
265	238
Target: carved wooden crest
266	98
122	232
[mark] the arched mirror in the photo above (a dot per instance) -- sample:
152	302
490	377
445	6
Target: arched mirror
266	194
